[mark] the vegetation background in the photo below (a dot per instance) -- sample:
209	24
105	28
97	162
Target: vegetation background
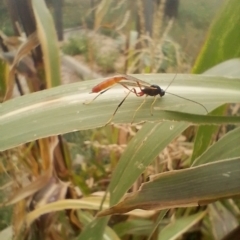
61	169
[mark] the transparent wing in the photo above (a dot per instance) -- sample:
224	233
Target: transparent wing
128	79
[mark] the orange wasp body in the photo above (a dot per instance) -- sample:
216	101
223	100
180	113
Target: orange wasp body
129	81
107	83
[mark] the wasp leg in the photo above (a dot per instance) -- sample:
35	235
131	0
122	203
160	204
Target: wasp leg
86	103
138	108
155	98
119	105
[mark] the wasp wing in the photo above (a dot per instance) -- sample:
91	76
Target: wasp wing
129	78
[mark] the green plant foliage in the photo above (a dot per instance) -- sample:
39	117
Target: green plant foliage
199	13
222	42
184	188
49	45
6	26
170	56
6	212
226	147
92	51
174	229
2	79
223	35
140	154
204	135
106	60
76	45
61	109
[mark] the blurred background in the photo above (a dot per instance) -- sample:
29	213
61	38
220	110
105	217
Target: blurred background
125	36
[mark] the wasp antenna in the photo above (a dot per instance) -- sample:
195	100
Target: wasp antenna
189	100
170	83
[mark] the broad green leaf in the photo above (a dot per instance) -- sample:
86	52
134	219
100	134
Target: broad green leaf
175	229
199	119
141	151
227	147
61	109
94	230
230	68
49	44
84	203
157	222
90	203
204	135
86	218
222	42
184	188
